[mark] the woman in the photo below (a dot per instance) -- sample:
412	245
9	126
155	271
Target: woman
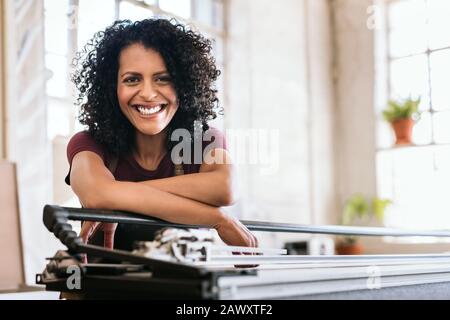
137	83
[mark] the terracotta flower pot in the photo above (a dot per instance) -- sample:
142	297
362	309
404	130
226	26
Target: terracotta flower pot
349	249
403	131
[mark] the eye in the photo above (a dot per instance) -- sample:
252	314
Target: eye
131	80
163	79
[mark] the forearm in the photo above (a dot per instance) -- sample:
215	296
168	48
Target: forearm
144	199
213	188
96	188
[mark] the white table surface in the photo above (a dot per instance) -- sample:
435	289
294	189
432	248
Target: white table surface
30	295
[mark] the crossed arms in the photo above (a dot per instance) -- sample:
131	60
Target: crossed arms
188	199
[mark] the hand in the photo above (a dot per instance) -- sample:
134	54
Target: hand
234	233
89	228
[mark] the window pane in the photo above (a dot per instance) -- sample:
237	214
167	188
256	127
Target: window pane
440	79
442	160
89	19
218	14
409	77
133	12
218	50
56	26
441	126
385	134
56	85
217	47
422	129
58	119
439	13
204	11
407	22
385	174
151	2
420	188
180	8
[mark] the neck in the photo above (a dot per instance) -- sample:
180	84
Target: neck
149	150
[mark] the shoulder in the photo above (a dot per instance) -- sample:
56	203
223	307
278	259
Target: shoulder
215	131
84	141
82	137
214	138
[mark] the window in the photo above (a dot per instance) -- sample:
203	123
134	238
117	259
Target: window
417	177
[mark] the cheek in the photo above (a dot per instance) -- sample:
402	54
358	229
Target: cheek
171	95
124	95
175	104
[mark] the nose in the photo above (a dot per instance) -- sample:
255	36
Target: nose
147	91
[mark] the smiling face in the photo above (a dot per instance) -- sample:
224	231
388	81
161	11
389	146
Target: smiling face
145	90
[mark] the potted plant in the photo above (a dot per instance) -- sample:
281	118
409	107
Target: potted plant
402	114
358	208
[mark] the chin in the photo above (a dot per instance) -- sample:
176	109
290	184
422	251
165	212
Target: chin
151	130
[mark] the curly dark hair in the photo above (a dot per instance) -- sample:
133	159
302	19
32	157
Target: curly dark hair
189	61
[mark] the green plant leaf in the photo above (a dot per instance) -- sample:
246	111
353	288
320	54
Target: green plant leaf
402	109
356	206
379	207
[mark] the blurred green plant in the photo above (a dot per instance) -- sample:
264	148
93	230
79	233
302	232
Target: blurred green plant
358	208
379	207
355	207
402	109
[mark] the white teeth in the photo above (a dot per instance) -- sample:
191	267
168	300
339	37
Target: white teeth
147	111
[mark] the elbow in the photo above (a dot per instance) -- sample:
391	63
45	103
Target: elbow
92	202
94	198
228	196
223	201
226	201
229	199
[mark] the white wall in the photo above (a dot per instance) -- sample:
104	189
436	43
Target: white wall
26	124
279	76
322	111
355	85
2	83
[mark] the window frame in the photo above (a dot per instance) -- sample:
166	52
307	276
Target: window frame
428	52
385	60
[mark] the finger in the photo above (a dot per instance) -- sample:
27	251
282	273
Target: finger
88	229
109	230
255	241
257	245
108	241
84	229
250	239
109	227
244	233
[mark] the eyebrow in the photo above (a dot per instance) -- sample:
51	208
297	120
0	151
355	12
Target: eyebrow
137	73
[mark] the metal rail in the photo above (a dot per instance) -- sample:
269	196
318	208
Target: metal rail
51	213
